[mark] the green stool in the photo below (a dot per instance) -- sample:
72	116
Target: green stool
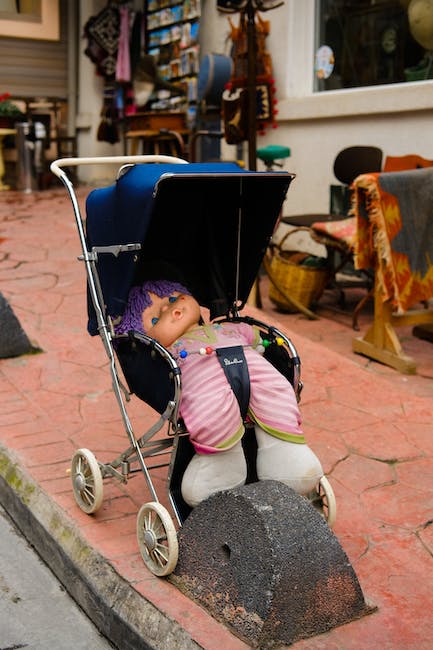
270	154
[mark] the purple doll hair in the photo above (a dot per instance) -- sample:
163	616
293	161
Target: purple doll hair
139	299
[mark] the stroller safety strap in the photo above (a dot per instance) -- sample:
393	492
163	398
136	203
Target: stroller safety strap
235	367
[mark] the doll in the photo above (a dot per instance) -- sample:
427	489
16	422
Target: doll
211	410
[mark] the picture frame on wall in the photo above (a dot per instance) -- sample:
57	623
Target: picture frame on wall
42	22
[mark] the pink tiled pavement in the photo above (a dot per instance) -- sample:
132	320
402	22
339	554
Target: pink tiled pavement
371	427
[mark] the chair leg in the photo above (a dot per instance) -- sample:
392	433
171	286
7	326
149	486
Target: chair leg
381	342
358	308
333	269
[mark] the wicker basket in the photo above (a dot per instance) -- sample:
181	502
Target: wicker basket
294	286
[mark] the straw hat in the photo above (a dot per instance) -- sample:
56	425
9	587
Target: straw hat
420	14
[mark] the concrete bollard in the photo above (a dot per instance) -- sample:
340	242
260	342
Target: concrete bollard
263	561
13	340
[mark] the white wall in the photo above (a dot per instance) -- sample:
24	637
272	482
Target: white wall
315	143
214	29
90	103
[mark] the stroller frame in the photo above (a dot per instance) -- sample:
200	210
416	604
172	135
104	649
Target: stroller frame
156	532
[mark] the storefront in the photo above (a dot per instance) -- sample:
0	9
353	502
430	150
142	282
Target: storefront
346	72
379	91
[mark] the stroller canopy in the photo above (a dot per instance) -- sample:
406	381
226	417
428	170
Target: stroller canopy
206	225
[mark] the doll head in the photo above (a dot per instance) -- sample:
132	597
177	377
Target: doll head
177	314
144	304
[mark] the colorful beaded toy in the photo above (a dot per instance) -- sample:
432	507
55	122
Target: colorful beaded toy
260	347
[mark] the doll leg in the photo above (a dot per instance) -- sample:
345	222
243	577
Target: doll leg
210	473
294	464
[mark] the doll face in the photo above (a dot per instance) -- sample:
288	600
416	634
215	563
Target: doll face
177	314
153	311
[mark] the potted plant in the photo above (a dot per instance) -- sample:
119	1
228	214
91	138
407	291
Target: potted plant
9	112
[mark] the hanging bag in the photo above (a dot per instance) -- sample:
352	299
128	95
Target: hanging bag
235	97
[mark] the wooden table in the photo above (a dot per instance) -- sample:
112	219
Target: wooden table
157	132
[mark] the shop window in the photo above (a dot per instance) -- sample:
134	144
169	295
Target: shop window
371	42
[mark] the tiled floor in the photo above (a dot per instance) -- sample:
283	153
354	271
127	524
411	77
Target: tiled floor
371	427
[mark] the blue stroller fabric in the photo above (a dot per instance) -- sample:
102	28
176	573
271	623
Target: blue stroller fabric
206	225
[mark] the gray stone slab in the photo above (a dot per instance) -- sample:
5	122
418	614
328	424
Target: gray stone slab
262	560
13	340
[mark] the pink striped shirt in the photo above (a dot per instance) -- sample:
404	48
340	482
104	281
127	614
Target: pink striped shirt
208	405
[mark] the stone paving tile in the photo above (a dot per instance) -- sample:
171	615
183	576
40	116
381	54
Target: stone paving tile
399	505
112	528
419	435
118	545
426	537
52	480
328	415
417	474
130	567
370	426
361	474
328	445
43	437
381	440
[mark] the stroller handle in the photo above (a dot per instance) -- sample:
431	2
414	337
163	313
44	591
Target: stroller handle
56	165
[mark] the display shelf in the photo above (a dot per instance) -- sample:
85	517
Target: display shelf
172	29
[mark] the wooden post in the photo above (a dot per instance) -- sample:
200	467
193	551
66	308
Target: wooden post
251	84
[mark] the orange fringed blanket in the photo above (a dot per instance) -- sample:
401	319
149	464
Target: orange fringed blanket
394	215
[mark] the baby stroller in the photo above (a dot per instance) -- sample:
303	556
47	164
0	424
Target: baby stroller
206	225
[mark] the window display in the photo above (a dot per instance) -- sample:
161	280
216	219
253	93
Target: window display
372	42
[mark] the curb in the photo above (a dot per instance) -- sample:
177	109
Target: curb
127	619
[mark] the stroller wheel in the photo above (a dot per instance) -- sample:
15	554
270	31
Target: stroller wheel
86	481
157	538
323	499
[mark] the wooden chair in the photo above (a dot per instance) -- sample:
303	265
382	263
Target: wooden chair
402	163
337	230
348	164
